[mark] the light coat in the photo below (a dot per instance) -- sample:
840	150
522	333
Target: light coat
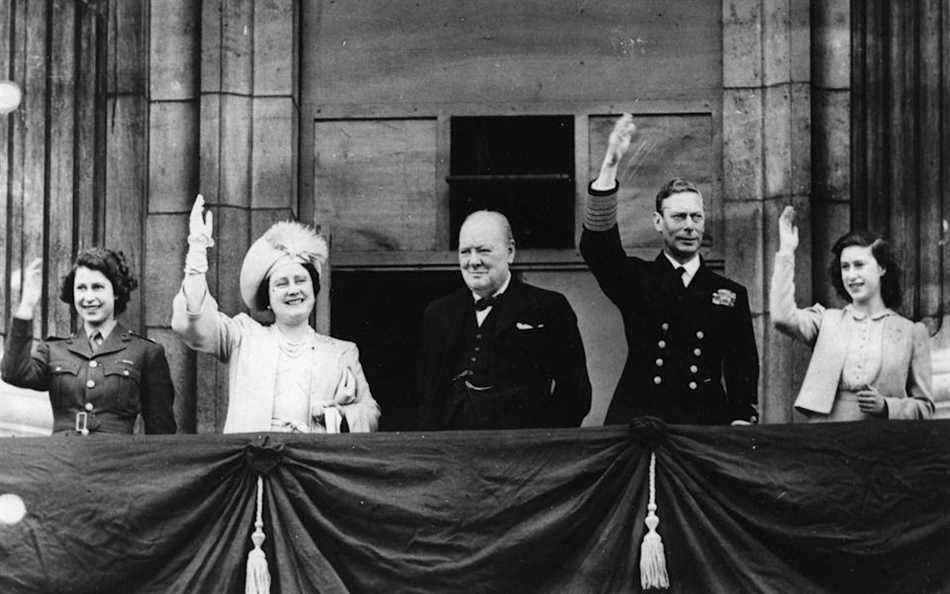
251	351
905	376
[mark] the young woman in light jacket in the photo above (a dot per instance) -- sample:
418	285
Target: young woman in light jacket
868	361
285	376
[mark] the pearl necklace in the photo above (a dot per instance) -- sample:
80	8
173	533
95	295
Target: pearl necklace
290	348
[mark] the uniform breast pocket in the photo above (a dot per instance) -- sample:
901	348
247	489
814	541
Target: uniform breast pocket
64	378
60	368
119	371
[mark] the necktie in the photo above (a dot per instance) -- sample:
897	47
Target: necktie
485	303
95	341
681	274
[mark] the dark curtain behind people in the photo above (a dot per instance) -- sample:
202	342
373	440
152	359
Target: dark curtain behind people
827	508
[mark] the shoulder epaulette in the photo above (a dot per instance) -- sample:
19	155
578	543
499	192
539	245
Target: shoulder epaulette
137	335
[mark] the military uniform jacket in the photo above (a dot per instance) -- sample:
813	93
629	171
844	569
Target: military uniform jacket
691	350
128	375
529	347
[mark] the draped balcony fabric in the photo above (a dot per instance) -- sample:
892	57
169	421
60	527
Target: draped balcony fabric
853	507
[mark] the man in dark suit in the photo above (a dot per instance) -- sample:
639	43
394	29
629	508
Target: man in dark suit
691	348
499	353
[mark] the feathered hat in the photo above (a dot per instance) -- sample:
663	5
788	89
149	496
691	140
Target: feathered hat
286	241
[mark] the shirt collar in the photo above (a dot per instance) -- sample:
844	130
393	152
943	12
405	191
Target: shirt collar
857	315
105	329
501	289
691	266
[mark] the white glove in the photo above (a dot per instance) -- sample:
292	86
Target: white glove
200	225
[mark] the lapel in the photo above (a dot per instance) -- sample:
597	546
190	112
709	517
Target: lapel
505	314
702	280
893	350
118	339
663	273
79	344
327	371
462	314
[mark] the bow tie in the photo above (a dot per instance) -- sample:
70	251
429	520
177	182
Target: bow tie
486	302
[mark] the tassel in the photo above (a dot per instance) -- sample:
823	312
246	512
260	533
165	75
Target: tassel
258	578
652	557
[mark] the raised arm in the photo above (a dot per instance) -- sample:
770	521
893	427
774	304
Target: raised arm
195	315
600	242
601	213
21	367
786	316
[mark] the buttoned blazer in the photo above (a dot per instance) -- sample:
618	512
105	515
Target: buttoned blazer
691	357
905	375
251	351
126	376
535	334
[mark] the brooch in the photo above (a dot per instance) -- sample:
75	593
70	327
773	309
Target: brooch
724	297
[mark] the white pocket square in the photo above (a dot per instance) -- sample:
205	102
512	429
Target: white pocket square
523	326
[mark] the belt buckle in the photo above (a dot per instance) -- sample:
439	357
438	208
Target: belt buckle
82	422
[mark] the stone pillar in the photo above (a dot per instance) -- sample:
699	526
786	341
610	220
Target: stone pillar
766	118
174	67
831	138
248	148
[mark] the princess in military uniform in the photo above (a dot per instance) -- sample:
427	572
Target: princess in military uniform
103	377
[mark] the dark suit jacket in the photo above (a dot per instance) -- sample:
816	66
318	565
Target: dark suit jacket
684	343
534	340
128	375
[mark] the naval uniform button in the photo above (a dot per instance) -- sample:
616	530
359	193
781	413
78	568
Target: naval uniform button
88	406
657	380
90	384
692	385
93	363
659	362
661	344
699	334
697	352
693	369
665	326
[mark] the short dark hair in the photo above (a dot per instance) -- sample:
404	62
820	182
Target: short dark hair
112	265
263	289
881	249
675	186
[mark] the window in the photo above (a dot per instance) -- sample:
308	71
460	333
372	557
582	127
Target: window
522	166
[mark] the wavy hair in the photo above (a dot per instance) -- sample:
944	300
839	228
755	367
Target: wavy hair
112	265
881	250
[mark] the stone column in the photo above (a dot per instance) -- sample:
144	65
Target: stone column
831	139
174	68
766	165
248	148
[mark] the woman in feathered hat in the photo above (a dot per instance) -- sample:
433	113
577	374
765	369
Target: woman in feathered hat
285	376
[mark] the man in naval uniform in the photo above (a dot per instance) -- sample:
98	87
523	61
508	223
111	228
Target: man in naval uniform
691	348
499	353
